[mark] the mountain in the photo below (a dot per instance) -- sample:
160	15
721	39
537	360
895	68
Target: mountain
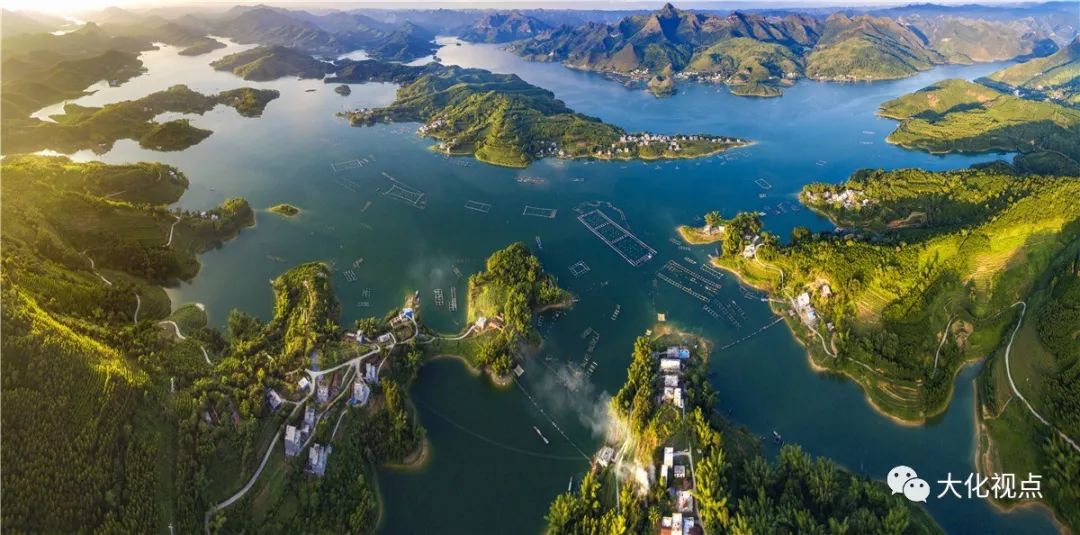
1055	77
967	40
265	63
405	43
868	48
501	27
14	23
267	26
668	38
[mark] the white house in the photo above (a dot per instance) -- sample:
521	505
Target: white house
304	384
273	399
680	353
317	459
360	393
669	456
670	365
606	455
371	373
293	440
309	417
322	393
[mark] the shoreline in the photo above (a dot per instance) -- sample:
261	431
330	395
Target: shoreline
819	368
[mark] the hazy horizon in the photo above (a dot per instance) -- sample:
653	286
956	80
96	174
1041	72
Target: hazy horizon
74	7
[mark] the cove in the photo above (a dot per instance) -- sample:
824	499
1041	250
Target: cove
487	468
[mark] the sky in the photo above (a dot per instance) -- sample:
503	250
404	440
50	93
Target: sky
72	7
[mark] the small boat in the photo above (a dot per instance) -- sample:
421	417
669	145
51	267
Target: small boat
777	439
539	244
541	435
570	485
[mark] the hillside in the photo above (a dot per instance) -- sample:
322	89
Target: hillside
501	119
767	51
266	63
502	27
671	459
78	269
868	48
928	253
961	116
967	40
1055	77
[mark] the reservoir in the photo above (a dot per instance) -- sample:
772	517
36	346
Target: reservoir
487	468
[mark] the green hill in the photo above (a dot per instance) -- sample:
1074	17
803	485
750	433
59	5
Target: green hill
749	65
265	63
961	116
868	48
79	264
1055	77
98	128
966	40
930	253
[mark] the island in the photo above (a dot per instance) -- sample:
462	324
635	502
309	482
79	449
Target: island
285	209
343	90
264	63
473	111
711	232
962	116
672	463
97	129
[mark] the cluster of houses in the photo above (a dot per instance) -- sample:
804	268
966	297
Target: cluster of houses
803	305
297	436
679	482
671	364
425	129
848	198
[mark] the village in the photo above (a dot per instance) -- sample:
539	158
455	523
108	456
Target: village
675	469
848	198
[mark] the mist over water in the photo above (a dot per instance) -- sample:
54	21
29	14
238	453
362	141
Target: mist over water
488	469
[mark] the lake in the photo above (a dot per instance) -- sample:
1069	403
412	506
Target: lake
487	469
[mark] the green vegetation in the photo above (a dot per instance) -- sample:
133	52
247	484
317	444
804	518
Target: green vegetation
84	388
735	489
876	304
343	90
711	232
511	288
265	63
868	48
1044	363
285	209
503	120
1055	77
99	128
961	116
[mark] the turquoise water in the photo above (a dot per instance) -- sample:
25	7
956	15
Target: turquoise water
488	469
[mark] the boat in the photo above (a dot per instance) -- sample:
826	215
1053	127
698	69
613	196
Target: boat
570	485
541	435
539	245
777	438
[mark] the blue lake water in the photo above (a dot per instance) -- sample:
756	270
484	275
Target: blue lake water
487	469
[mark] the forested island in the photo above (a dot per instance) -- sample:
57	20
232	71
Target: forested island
97	129
503	120
962	116
672	462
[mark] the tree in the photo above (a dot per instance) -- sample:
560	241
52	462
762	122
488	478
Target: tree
800	234
713	219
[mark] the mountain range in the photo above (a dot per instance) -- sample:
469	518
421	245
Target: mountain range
766	51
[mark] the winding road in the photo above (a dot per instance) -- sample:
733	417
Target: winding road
1016	391
171	229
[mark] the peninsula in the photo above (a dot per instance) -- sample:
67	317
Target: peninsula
503	120
921	283
962	116
672	463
